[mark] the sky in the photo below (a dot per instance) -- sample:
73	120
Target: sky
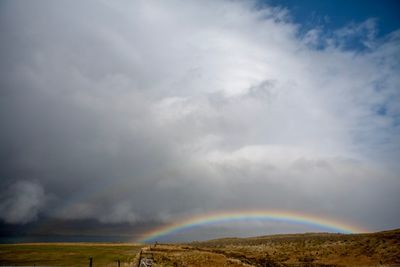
119	116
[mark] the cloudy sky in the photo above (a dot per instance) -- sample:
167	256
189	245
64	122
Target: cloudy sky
140	112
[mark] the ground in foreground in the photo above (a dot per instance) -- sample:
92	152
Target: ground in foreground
68	254
317	250
321	249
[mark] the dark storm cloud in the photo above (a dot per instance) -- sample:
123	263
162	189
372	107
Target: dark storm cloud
141	111
21	202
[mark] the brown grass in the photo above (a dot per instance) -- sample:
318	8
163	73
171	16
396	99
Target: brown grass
374	249
68	254
177	256
307	250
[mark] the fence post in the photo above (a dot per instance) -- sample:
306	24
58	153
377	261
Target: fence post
119	263
90	261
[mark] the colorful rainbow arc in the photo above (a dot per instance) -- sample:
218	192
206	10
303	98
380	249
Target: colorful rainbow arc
232	216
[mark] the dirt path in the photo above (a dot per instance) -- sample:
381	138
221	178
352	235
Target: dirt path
177	256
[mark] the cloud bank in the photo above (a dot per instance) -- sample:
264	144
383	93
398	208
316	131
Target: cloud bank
136	111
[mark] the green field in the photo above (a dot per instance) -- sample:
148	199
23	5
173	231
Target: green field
67	254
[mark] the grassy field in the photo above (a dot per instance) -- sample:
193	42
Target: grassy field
293	250
375	249
67	254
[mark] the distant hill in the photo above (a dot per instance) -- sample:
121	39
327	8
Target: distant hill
311	249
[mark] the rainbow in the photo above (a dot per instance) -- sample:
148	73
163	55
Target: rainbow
232	216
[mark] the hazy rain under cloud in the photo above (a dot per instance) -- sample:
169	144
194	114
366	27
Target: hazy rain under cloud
136	111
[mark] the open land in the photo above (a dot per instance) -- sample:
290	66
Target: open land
313	249
68	254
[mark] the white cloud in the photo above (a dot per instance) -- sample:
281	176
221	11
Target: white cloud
186	106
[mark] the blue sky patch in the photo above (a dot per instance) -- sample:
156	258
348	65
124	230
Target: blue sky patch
357	21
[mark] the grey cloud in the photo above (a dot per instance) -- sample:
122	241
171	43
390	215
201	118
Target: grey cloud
21	202
145	111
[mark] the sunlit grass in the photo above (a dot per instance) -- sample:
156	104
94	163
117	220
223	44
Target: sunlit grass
67	254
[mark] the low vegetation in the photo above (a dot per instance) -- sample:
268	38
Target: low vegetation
298	250
67	254
373	249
